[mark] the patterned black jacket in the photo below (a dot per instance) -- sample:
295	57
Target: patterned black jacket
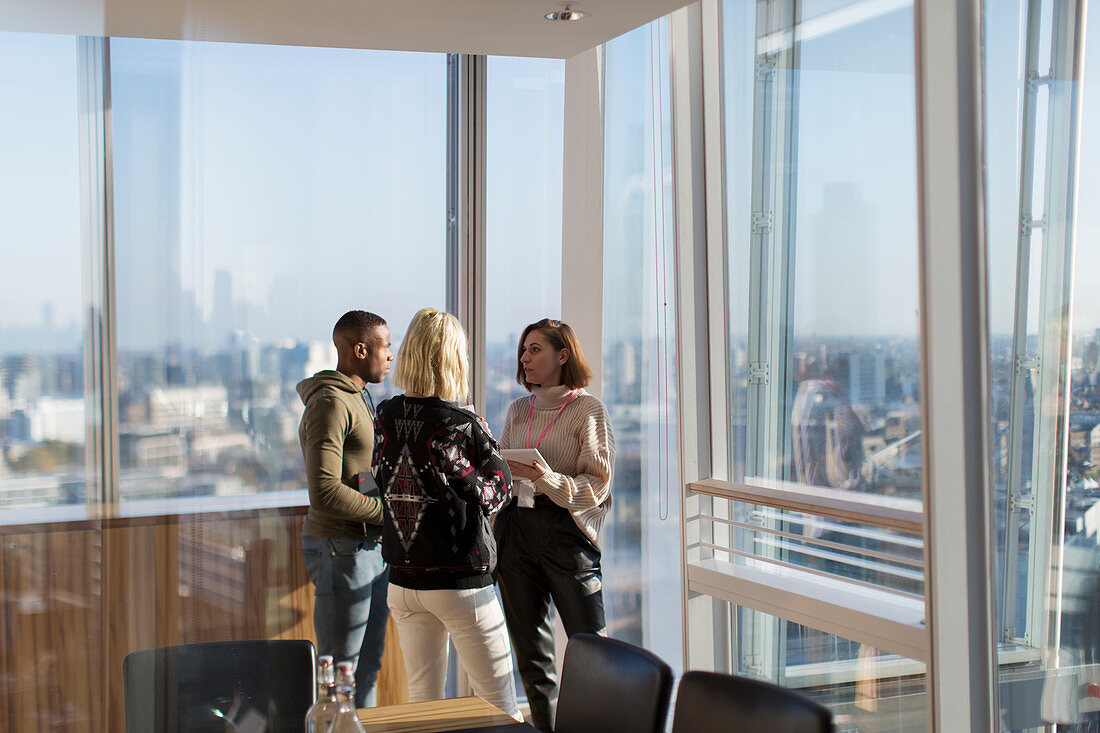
441	476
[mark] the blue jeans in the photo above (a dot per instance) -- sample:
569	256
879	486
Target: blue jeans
349	608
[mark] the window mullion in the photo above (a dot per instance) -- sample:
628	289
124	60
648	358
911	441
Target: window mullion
466	193
1022	366
771	261
954	367
1050	471
454	189
703	616
100	349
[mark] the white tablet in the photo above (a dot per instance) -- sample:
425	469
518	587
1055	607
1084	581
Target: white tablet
526	456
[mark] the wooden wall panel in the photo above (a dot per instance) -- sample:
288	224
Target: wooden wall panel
77	598
52	626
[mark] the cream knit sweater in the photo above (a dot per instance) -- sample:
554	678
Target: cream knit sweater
580	448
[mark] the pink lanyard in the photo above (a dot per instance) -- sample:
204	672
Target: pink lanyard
530	414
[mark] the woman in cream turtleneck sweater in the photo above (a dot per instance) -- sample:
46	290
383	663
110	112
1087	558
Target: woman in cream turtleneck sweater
550	552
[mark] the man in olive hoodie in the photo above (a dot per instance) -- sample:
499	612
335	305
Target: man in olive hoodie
341	536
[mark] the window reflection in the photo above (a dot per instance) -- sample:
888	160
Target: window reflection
867	689
854	290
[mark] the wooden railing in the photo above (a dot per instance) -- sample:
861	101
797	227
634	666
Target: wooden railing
79	596
887	512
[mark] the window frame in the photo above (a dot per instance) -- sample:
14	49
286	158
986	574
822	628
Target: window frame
769	331
465	248
955	639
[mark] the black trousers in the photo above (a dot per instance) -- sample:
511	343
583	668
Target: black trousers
544	557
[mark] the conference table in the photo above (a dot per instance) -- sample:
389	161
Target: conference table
441	716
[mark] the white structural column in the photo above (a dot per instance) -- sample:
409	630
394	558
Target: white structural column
582	206
582	221
689	191
466	259
706	621
954	342
716	222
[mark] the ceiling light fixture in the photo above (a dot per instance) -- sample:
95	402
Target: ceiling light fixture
565	14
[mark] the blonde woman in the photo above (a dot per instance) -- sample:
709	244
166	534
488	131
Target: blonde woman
441	477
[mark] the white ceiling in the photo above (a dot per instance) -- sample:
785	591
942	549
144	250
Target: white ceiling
499	27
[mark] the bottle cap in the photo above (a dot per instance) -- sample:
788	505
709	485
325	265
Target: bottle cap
325	673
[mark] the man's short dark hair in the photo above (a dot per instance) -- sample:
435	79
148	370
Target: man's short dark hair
355	323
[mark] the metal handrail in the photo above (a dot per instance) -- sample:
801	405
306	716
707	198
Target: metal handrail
853	562
809	570
862	551
902	515
848	528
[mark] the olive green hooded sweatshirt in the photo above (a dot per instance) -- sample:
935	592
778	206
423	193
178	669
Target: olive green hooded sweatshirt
337	437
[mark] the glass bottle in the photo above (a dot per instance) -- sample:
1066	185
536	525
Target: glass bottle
346	719
322	714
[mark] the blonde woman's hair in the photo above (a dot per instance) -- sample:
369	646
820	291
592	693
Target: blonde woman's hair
433	358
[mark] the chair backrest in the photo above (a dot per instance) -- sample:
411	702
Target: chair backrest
712	702
609	685
256	685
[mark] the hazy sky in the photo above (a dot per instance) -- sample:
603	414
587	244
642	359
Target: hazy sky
526	99
39	180
313	177
854	168
312	180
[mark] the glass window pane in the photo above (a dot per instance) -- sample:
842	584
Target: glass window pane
738	55
1080	617
260	192
853	409
639	333
1010	391
1045	340
823	368
866	688
42	430
51	556
526	117
525	102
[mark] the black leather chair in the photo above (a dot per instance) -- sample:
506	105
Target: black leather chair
609	686
202	687
713	702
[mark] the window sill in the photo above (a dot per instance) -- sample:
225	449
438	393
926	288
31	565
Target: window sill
881	619
148	511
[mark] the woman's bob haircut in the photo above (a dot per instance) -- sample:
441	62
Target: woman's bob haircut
575	372
433	360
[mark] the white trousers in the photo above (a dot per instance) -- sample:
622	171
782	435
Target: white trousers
475	622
